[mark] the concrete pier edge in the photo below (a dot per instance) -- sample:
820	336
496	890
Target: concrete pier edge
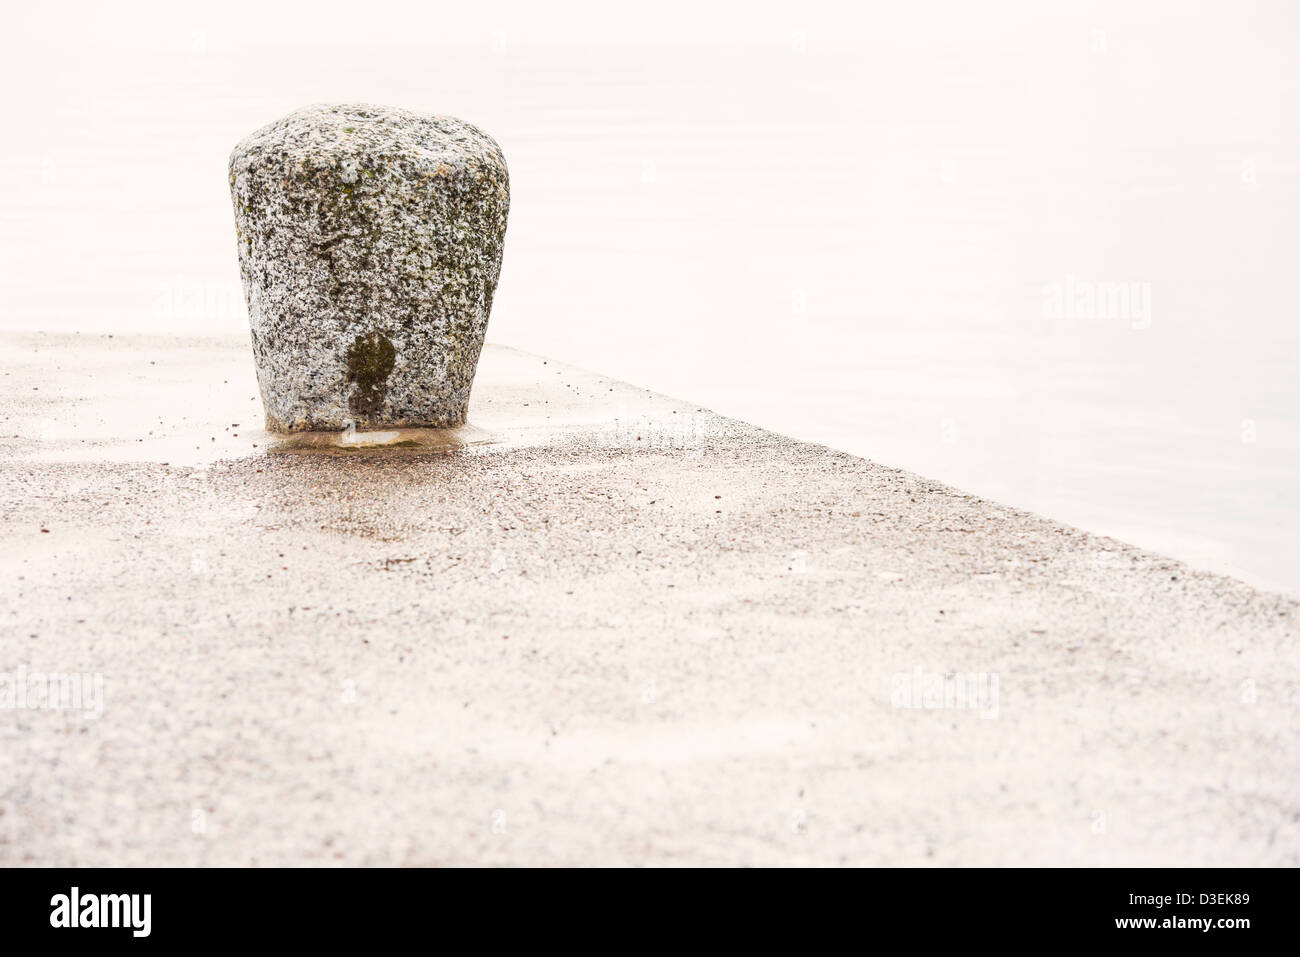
613	629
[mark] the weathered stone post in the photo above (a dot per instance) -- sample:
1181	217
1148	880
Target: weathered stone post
370	244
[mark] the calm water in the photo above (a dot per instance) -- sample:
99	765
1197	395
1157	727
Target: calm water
1054	270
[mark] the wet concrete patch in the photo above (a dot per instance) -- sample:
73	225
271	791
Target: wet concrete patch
389	440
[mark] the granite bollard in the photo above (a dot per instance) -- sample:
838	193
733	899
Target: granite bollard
370	244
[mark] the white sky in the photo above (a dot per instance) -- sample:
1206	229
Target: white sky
839	25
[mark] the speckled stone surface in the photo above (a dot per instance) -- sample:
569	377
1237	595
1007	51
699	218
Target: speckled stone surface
370	244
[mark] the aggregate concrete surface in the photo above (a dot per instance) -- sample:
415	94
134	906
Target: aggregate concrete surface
600	626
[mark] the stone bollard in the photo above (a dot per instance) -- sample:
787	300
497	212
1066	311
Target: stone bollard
370	244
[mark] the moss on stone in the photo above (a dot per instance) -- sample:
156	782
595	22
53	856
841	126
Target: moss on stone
371	358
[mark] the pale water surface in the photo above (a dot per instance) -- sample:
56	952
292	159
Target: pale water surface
849	230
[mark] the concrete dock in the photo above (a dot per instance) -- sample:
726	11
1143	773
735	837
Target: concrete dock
597	626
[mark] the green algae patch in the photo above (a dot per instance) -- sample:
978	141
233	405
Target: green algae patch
371	358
